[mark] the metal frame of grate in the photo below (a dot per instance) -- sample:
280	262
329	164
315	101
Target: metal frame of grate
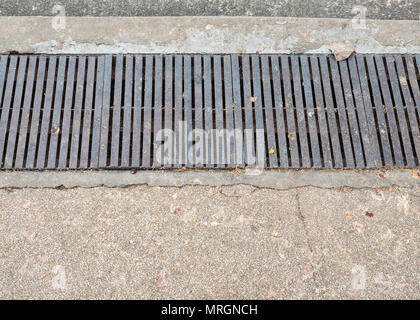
209	111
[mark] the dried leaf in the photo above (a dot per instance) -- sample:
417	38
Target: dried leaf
369	214
253	99
26	205
55	130
238	170
342	50
272	151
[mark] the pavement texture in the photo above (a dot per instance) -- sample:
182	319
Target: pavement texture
374	9
201	242
93	35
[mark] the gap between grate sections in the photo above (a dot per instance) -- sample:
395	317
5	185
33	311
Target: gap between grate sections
209	111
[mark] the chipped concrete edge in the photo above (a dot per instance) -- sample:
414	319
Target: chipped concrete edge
211	35
281	180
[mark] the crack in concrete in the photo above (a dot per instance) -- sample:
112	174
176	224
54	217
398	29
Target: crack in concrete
302	219
256	187
307	237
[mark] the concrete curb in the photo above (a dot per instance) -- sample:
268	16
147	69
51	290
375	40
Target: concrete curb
281	180
85	35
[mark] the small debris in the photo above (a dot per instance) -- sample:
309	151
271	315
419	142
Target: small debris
377	193
342	50
55	130
253	99
209	27
176	210
258	52
369	214
272	151
133	171
237	170
26	205
381	175
403	81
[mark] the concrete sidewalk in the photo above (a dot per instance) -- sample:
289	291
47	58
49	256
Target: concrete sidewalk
200	242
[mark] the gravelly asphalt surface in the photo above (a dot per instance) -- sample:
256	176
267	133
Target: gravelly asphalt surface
375	9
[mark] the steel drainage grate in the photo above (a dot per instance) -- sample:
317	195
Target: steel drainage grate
205	111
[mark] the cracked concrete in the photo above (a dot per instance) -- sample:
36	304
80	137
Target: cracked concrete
209	235
274	179
88	35
201	242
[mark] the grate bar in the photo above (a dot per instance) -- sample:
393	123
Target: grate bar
290	114
36	114
26	113
321	112
269	117
310	112
237	103
365	110
147	123
77	113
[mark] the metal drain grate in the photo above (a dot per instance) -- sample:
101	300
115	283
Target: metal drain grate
204	111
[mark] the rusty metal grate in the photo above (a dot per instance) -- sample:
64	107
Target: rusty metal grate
209	111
